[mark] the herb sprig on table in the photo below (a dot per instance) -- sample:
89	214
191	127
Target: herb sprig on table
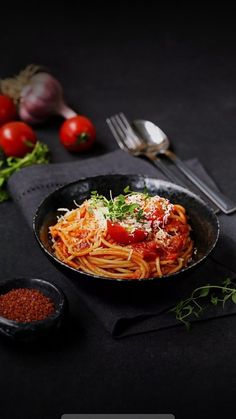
203	297
8	166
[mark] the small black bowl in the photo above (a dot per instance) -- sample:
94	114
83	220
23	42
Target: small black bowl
205	225
37	329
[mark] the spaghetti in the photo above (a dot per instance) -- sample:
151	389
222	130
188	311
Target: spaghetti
131	236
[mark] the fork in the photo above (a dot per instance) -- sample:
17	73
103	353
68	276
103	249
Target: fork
130	142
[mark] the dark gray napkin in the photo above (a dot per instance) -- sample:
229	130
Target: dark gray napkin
141	309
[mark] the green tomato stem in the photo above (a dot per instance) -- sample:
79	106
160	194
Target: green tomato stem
82	138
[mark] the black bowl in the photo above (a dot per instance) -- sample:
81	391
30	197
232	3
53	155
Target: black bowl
34	330
205	225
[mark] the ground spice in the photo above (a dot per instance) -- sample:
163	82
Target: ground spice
25	305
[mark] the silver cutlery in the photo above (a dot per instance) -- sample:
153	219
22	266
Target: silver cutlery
129	141
149	140
157	139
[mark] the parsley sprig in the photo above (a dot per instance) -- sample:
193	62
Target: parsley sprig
203	297
118	208
8	166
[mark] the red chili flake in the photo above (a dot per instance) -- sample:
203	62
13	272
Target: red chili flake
25	305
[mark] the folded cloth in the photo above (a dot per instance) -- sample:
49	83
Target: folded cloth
135	309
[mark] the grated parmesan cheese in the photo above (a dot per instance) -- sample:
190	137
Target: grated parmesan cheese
100	216
135	199
162	237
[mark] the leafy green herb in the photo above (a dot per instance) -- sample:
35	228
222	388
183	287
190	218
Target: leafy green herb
96	199
39	155
203	297
127	189
118	208
145	192
140	215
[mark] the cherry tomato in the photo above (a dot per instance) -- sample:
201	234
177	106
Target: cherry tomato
17	139
77	133
122	236
148	249
7	109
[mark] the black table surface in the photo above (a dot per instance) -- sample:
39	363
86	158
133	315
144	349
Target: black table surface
180	71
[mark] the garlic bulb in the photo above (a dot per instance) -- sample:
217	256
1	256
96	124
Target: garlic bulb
37	94
41	98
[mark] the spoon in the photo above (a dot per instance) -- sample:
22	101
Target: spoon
155	137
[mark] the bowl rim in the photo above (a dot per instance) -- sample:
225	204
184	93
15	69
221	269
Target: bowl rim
90	276
59	308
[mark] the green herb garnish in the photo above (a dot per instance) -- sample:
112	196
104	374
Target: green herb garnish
10	165
98	199
118	208
127	190
203	297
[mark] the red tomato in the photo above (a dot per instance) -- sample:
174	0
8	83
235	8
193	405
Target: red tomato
17	139
77	133
122	236
7	110
147	249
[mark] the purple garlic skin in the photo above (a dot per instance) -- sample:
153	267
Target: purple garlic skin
42	98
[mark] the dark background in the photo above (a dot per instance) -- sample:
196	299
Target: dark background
177	68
